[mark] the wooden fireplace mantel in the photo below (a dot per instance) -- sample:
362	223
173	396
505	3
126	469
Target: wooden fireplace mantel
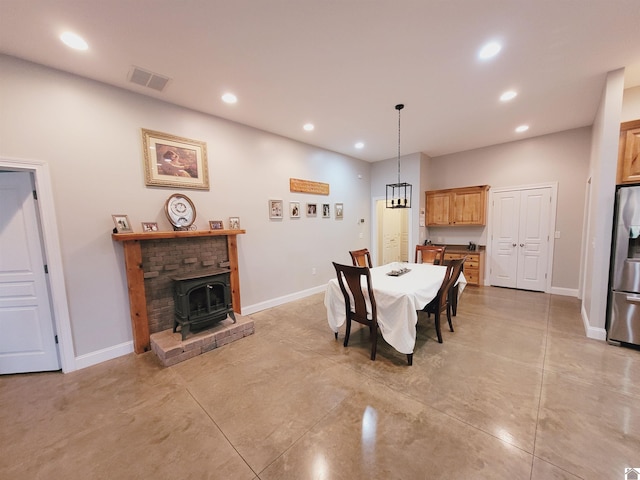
135	274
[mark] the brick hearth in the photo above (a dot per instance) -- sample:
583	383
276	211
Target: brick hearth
171	349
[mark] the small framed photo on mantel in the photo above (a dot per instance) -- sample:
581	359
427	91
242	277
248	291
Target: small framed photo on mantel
234	223
216	225
149	227
122	223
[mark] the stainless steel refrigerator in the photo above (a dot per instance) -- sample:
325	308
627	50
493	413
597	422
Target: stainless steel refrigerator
623	322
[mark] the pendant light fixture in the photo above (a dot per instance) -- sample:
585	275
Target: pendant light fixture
399	194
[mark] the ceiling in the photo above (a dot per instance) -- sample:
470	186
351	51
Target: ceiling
344	64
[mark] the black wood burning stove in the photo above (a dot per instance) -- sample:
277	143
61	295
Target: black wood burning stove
201	299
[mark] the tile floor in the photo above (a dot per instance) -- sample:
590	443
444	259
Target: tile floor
516	392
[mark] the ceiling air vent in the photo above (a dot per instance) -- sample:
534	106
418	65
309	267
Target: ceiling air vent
144	78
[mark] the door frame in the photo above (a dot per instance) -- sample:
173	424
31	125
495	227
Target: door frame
374	229
51	245
552	223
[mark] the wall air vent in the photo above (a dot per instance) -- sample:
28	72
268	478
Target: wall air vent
148	79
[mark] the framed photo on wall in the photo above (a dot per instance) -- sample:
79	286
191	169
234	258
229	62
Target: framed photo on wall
294	209
122	223
171	161
312	209
275	208
326	210
339	210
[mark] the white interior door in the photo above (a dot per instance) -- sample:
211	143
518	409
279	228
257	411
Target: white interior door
393	233
27	343
391	236
533	238
520	238
504	256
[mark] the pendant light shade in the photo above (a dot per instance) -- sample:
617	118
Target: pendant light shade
399	194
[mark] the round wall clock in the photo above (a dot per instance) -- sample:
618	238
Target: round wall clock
180	211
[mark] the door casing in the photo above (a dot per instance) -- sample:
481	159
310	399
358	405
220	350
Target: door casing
51	245
552	223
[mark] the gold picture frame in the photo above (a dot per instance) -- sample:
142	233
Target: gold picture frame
171	161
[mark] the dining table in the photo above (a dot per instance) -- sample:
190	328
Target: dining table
398	296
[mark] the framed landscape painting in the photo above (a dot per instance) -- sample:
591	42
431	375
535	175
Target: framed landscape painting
171	161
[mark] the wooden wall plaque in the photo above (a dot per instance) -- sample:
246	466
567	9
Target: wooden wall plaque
307	186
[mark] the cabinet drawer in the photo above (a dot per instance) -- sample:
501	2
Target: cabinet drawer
473	277
471	263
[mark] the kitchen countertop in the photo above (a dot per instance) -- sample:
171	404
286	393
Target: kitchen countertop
461	248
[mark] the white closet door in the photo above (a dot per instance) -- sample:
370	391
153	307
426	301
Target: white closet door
520	238
504	257
27	339
533	238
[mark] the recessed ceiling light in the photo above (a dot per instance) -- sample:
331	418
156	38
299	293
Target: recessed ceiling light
359	145
229	98
308	127
74	41
508	95
490	50
522	128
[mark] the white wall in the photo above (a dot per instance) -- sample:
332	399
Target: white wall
630	105
602	170
560	157
386	172
89	134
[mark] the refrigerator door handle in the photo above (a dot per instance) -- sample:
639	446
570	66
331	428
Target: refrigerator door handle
633	298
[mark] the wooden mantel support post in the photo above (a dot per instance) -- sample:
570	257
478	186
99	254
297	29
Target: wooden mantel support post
135	275
137	295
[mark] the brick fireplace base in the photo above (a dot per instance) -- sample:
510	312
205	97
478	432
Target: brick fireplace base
171	349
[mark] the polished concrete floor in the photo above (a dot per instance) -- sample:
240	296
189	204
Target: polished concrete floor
516	392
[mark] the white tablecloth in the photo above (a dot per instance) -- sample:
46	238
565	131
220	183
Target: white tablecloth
397	300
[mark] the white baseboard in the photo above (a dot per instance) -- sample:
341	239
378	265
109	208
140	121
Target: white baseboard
566	292
597	333
99	356
274	302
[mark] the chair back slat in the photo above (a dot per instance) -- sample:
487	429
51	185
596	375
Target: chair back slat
429	254
361	258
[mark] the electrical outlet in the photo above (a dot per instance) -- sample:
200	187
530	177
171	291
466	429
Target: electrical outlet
361	235
313	270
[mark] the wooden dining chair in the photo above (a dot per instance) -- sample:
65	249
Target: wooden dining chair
442	303
361	258
429	254
357	281
350	279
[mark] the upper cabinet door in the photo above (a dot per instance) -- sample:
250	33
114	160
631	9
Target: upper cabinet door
469	207
438	208
629	153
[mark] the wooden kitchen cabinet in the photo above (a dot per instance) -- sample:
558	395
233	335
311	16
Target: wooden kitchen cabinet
438	205
473	266
456	206
629	153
